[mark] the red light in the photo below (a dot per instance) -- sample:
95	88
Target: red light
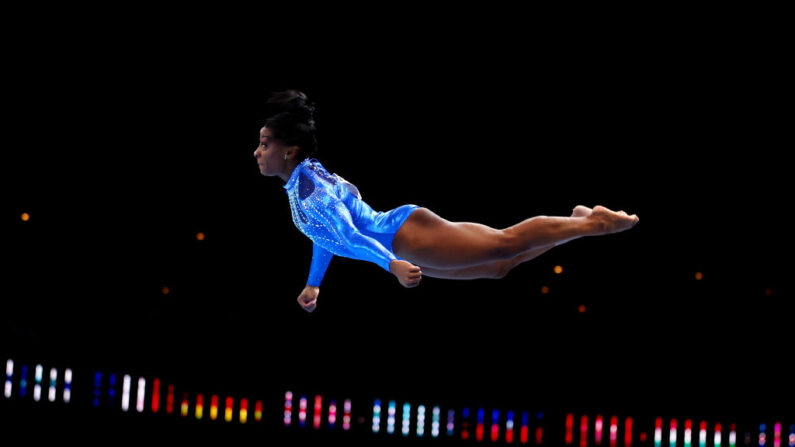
479	432
258	411
170	400
155	395
628	432
598	430
523	435
613	431
214	406
642	436
569	426
539	435
584	431
318	410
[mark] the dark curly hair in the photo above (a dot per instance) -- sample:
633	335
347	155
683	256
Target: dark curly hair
291	120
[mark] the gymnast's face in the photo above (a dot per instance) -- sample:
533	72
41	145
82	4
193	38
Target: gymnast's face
270	155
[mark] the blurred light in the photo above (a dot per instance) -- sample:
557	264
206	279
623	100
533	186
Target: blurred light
642	436
688	432
672	433
569	427
523	434
53	381
199	236
318	410
390	417
37	386
97	387
699	276
125	393
598	426
762	435
166	290
141	393
509	427
613	430
258	411
717	439
213	407
702	434
420	421
544	290
346	414
170	400
792	435
155	395
377	416
243	416
184	407
111	389
584	430
495	428
302	411
435	417
465	423
406	420
777	434
581	308
332	414
658	432
9	377
450	422
479	427
628	432
25	217
288	408
228	411
199	411
67	385
768	292
558	269
23	380
732	435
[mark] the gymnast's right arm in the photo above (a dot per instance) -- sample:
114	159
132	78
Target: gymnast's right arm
320	261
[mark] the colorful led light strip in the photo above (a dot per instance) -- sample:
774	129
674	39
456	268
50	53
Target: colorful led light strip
777	434
672	434
318	410
658	432
762	435
302	411
184	407
450	422
584	430
23	380
155	395
213	407
597	430
792	435
420	421
524	433
9	377
53	381
97	387
702	434
435	417
332	414
628	432
37	386
733	435
243	413
613	431
390	417
125	393
170	400
509	427
688	432
539	428
228	410
717	440
568	437
406	420
198	412
377	416
258	411
288	408
111	390
465	423
479	427
346	414
139	402
67	385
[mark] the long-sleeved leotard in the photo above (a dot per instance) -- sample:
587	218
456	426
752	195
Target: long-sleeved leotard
331	212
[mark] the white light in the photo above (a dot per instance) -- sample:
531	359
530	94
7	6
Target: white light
9	368
67	390
139	404
37	387
420	420
125	393
53	379
435	422
406	424
732	437
390	418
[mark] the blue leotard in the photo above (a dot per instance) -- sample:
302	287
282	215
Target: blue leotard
331	212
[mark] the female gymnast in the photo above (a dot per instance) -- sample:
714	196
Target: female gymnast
408	241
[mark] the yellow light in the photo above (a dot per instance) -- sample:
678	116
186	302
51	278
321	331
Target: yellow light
558	269
166	290
544	290
581	309
200	236
25	217
699	276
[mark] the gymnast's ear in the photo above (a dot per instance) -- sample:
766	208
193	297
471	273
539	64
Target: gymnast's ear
292	151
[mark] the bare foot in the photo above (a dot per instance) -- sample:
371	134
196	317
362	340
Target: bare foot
581	211
611	221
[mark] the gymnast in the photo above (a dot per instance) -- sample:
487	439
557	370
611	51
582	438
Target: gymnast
408	241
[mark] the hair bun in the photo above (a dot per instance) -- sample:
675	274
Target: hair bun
293	102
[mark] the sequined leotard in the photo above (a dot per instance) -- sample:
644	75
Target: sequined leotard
331	212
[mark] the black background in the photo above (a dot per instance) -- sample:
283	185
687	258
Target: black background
123	144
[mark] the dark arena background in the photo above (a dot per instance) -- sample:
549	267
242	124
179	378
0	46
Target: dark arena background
151	273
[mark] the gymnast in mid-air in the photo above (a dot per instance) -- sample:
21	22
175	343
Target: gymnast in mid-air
408	241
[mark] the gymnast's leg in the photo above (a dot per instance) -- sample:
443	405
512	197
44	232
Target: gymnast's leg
427	240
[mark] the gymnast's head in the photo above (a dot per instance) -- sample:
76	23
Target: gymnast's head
288	136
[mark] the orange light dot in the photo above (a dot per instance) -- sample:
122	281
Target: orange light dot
544	290
581	308
699	276
200	236
25	217
166	290
558	269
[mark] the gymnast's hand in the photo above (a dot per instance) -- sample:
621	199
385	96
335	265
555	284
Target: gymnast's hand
407	273
308	298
